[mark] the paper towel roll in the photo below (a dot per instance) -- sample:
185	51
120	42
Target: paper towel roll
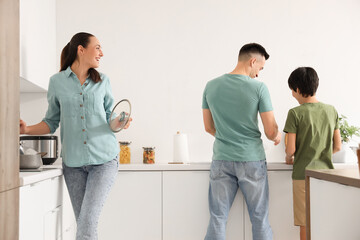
181	150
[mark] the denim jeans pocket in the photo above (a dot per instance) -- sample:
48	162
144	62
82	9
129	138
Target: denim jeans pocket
256	170
215	169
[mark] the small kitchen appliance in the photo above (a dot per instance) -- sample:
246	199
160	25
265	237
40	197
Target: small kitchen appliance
42	144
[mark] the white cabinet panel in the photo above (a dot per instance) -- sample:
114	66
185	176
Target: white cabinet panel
69	233
38	41
185	207
280	207
53	224
41	210
54	194
335	210
133	208
31	212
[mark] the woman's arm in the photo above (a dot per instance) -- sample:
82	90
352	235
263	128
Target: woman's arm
37	129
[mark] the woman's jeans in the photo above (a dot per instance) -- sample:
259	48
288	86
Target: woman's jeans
225	179
88	188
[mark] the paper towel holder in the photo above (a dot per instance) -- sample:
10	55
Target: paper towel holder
179	162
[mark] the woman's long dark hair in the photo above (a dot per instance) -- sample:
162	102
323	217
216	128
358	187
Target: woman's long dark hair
69	53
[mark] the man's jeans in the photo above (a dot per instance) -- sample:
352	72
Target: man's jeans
88	188
225	179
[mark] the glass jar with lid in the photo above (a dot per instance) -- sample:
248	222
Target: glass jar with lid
149	155
125	153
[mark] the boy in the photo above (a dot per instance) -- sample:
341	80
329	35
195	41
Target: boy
312	136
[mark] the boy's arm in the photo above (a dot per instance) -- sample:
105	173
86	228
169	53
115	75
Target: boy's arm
209	122
336	141
290	147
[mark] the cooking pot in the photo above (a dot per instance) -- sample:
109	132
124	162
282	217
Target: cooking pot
30	161
44	144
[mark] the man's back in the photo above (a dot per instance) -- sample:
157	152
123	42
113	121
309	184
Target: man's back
234	101
314	125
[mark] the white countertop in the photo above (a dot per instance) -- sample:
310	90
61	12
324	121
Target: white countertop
51	171
27	178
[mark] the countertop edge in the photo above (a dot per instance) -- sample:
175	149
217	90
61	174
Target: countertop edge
348	177
52	171
27	178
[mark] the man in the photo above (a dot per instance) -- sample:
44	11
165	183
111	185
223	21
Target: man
231	104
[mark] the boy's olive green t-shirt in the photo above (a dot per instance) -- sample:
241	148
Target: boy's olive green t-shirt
314	125
235	101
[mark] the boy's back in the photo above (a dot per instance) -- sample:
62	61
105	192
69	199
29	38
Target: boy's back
314	125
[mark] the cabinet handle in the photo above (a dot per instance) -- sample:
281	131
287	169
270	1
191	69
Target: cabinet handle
34	184
55	210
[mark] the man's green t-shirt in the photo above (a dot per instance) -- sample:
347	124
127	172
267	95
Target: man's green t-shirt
234	101
314	125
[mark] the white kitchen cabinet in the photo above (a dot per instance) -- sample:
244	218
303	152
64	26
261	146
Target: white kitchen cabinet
37	41
31	212
280	207
133	208
186	209
41	210
53	224
334	210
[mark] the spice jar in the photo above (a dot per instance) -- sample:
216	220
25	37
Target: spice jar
149	155
125	154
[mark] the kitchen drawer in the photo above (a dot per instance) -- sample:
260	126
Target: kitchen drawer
52	197
31	212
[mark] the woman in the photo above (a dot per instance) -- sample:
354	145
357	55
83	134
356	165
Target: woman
80	99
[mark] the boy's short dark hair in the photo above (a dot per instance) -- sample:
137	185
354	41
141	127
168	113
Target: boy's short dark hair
249	48
305	79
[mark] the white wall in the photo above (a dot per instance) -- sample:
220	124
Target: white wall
160	54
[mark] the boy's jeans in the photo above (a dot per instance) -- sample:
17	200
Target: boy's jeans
251	178
88	188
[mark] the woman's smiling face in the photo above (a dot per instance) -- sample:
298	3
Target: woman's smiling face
92	53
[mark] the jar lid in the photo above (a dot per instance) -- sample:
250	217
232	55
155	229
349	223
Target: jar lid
148	148
124	143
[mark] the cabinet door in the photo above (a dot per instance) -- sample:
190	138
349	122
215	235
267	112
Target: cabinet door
31	212
37	41
334	210
186	209
69	233
280	207
133	208
52	197
53	224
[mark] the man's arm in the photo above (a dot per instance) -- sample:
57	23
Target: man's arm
270	127
208	122
290	147
336	141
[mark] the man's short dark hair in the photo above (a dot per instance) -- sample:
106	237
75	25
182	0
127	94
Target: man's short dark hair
253	48
305	79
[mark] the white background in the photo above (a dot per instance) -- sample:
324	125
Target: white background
159	54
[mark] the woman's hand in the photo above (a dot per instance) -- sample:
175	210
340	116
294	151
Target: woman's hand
128	123
23	127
